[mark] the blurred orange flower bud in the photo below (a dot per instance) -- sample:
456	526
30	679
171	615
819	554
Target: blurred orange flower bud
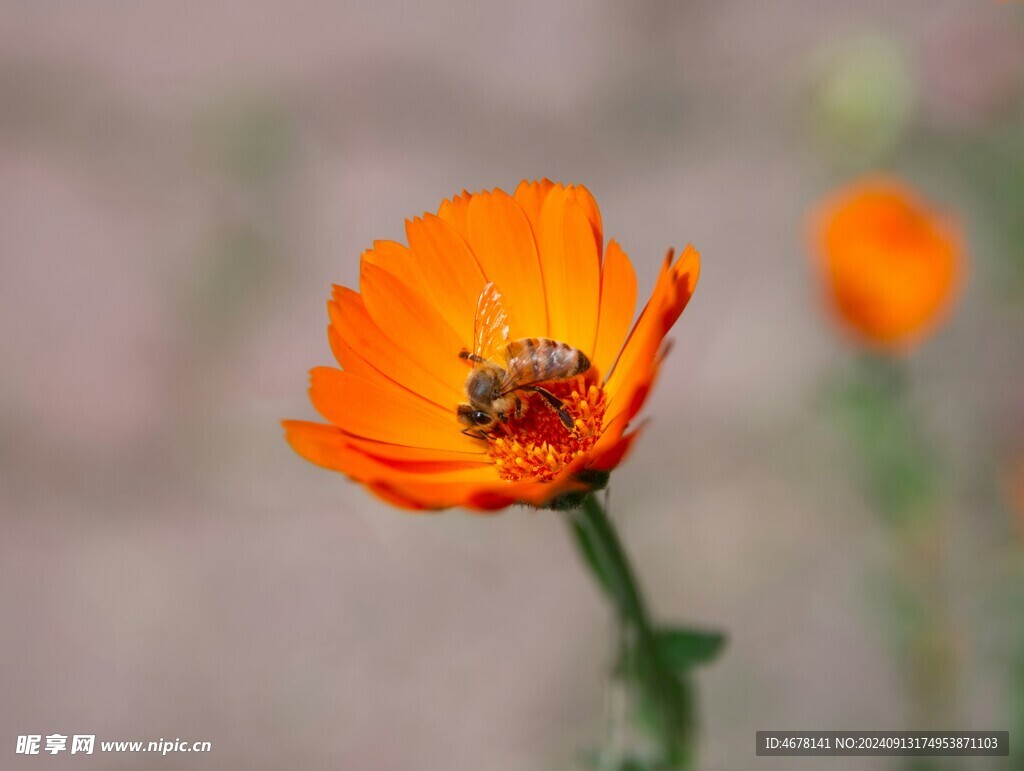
891	265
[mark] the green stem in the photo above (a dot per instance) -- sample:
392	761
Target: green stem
615	572
902	472
661	695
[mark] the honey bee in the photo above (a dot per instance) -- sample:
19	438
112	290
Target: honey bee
492	388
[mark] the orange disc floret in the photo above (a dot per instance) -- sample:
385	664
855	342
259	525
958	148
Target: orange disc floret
538	445
891	264
391	407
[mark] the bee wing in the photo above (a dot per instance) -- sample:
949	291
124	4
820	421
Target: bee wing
517	377
490	326
517	381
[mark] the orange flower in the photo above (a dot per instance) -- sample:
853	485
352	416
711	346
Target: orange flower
392	406
891	265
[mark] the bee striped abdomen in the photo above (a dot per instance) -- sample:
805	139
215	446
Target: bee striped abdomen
544	359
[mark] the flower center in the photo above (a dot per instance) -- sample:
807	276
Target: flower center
537	445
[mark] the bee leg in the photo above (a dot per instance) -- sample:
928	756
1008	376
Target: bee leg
475	433
519	408
557	405
465	354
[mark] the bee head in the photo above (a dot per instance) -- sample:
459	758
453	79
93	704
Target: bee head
474	418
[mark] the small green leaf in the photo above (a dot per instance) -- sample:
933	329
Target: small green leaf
682	649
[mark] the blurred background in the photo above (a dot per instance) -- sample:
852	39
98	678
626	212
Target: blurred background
180	184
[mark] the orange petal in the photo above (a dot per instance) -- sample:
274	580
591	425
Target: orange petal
425	494
453	475
398	260
571	265
456	213
493	497
384	413
414	325
618	303
530	197
364	350
388	452
430	280
502	240
421	495
633	372
331	448
589	206
317	443
607	456
453	277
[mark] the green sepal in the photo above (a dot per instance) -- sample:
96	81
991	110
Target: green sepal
683	648
593	479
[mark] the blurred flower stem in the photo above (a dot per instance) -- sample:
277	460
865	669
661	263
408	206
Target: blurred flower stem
1014	620
902	476
652	674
